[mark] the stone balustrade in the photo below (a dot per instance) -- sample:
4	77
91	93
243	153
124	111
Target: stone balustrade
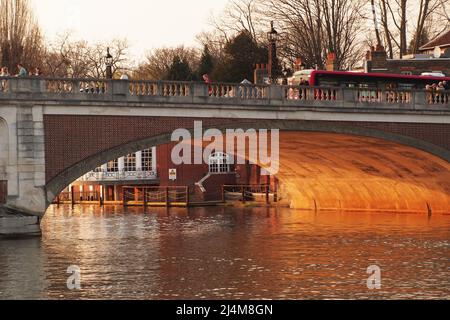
218	93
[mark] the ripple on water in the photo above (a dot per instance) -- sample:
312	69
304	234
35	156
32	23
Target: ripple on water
211	253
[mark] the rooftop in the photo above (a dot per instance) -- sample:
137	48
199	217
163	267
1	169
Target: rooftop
443	40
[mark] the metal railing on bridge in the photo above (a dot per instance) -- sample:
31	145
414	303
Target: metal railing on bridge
218	93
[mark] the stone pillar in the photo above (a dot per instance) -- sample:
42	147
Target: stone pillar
275	92
200	89
26	201
120	87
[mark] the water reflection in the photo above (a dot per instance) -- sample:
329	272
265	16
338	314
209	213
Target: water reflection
231	253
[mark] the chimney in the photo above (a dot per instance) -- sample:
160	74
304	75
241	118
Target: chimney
261	74
376	59
298	64
331	62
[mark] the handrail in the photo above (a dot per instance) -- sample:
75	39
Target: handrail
105	175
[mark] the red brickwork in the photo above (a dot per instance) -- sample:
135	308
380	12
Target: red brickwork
71	139
3	191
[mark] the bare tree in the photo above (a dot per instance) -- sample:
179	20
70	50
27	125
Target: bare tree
159	61
311	28
20	35
242	15
407	21
79	59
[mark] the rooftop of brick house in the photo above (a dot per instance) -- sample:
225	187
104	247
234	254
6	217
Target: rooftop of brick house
443	40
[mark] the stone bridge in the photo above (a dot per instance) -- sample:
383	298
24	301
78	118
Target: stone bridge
340	148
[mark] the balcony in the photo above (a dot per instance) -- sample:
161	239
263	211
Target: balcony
119	176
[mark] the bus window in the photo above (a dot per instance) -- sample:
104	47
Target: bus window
407	86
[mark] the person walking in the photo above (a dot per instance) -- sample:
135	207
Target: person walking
208	81
3	74
22	71
37	72
440	96
446	85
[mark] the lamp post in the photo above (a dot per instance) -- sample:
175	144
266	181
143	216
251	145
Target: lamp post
109	63
273	71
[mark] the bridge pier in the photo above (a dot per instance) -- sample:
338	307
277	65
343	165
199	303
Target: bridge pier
14	223
22	168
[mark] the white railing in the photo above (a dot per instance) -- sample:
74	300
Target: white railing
119	176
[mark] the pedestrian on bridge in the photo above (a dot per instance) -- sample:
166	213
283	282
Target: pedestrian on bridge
22	71
208	81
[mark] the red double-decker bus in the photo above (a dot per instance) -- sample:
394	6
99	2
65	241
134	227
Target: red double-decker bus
347	79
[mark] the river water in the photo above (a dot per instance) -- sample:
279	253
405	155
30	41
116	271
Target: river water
228	253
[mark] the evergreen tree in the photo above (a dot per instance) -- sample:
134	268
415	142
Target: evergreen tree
206	65
242	53
179	70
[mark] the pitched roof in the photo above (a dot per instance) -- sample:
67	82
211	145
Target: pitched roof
440	41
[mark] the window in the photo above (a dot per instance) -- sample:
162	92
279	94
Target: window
130	162
147	160
219	163
113	166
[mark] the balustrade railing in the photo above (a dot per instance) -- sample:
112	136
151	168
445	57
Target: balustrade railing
240	91
4	85
119	176
221	92
160	88
311	93
93	86
384	96
438	97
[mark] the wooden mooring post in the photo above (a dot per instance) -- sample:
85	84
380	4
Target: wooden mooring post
72	196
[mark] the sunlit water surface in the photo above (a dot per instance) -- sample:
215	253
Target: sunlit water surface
228	253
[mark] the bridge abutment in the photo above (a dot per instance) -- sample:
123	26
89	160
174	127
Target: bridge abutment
23	168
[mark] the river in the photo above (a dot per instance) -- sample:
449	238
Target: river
228	253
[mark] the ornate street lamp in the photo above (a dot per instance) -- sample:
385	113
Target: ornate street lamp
273	36
109	64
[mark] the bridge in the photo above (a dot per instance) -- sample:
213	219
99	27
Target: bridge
340	148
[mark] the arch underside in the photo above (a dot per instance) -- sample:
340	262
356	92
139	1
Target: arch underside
332	171
345	172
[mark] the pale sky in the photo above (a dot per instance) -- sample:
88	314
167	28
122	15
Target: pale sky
147	24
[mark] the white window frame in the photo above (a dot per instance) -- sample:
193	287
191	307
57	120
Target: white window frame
129	163
219	163
113	166
147	160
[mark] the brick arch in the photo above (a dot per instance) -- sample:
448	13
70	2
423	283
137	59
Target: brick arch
410	144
